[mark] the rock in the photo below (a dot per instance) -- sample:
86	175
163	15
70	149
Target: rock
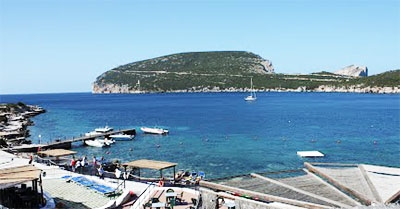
354	71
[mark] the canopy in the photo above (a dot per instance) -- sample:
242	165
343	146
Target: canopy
17	175
57	152
150	164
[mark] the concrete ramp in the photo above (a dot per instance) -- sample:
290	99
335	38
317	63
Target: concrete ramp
347	178
319	185
313	184
385	181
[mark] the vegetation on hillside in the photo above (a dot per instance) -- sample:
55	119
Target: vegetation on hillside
226	70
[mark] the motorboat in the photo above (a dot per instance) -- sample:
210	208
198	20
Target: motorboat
93	133
122	137
106	141
99	131
104	129
96	143
148	130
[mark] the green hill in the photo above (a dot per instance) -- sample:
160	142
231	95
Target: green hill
223	71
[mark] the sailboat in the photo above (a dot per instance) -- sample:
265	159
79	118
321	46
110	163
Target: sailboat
252	96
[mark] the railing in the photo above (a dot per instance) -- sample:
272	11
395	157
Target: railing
143	197
45	161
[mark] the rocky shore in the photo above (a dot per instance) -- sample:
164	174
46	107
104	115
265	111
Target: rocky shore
116	89
14	120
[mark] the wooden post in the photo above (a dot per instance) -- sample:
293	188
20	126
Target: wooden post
174	174
41	189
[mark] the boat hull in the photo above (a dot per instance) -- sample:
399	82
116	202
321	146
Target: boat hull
160	131
122	137
95	143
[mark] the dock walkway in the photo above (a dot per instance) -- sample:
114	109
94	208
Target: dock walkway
66	143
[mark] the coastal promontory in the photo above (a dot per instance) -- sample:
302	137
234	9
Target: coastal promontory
230	71
193	71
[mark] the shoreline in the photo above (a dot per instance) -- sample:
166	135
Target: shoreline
115	89
14	122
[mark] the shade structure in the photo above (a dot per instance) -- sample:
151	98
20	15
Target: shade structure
16	175
57	152
151	164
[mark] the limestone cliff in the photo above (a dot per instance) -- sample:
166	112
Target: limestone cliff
353	71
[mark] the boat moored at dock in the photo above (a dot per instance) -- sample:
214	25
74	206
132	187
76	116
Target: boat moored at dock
122	137
97	143
99	131
104	129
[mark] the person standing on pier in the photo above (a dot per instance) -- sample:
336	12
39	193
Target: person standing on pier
93	172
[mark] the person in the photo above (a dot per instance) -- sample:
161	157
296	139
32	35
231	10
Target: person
83	163
93	172
101	172
94	161
73	164
77	165
117	173
30	159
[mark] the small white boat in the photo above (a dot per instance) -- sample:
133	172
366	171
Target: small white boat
93	133
99	131
104	129
252	96
106	141
122	137
148	130
96	143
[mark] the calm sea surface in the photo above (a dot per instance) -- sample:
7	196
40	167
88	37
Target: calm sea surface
223	135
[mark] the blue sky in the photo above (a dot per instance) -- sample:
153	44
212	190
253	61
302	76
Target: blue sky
62	46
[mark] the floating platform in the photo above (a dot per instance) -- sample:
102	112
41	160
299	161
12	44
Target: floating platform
310	154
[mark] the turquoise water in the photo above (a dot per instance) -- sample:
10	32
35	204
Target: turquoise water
223	135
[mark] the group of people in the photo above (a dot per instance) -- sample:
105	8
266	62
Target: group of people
80	165
96	166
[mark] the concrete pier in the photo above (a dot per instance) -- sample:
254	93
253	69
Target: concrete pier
64	144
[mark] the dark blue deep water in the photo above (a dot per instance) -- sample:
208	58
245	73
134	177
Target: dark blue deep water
223	135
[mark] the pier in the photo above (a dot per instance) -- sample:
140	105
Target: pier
66	143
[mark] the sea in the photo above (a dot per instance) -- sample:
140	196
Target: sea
223	135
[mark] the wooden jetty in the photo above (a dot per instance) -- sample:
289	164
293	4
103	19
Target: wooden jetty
66	143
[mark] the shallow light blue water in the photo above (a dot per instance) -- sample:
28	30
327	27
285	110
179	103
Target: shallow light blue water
223	135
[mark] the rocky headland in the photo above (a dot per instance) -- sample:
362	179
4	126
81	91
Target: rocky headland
230	71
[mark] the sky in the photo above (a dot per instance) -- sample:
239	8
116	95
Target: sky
51	46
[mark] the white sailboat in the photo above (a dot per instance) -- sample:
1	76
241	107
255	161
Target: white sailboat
252	96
